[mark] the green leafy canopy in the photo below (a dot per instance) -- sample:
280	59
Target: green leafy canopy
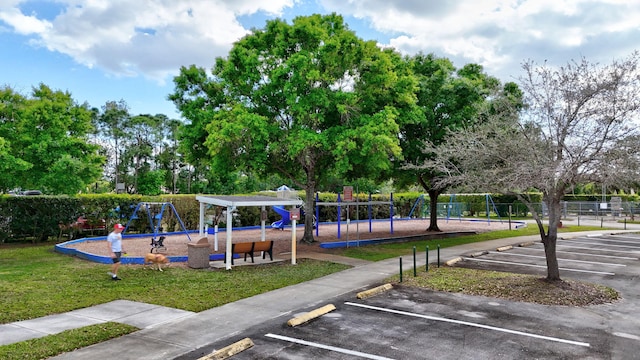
308	101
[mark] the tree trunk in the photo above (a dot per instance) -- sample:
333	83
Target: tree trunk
309	200
550	240
433	206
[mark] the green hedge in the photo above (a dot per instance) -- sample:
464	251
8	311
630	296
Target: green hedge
42	218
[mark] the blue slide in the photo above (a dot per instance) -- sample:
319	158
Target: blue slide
280	224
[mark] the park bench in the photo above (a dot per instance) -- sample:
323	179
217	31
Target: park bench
248	248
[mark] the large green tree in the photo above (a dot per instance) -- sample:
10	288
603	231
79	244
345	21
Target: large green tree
306	100
449	99
198	99
11	165
46	137
111	124
142	146
169	159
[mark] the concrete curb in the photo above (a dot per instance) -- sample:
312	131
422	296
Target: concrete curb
525	244
376	290
453	261
479	253
505	248
228	351
311	315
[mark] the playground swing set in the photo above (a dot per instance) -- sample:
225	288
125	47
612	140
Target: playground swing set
154	212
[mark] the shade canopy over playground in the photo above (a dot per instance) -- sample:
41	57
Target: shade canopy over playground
232	202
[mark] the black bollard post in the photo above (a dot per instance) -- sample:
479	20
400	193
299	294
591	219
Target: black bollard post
400	268
426	263
438	255
414	263
625	223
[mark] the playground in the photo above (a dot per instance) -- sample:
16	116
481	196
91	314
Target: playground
327	235
177	248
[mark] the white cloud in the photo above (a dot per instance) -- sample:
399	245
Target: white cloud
23	24
150	37
500	33
248	7
156	37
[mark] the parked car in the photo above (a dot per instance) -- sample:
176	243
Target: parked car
25	192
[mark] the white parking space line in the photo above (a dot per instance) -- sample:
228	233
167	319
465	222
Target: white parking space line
559	259
600	255
590	248
459	322
583	254
602	245
631	238
327	347
536	266
605	239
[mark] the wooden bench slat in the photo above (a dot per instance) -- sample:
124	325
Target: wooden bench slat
266	247
248	248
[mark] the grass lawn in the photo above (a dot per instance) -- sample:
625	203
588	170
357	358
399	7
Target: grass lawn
509	286
65	341
35	282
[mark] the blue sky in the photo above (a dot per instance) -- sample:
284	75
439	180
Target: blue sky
110	50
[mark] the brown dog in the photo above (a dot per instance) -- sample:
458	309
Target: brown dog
157	259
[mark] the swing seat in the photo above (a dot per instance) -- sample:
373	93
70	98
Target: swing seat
158	244
154	212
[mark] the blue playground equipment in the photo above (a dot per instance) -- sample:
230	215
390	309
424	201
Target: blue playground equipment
418	204
286	219
155	221
280	224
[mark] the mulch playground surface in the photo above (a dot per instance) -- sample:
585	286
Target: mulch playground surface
176	245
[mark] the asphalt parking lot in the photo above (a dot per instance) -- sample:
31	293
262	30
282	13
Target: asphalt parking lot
408	323
590	258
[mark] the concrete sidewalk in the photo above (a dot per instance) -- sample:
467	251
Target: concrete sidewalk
140	315
168	333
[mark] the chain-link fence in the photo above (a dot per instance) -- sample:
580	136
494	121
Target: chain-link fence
597	210
570	209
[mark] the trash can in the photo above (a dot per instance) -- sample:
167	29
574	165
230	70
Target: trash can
198	254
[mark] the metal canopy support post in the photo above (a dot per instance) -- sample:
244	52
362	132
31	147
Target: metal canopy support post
339	214
370	212
317	215
201	220
293	241
391	211
263	220
228	254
